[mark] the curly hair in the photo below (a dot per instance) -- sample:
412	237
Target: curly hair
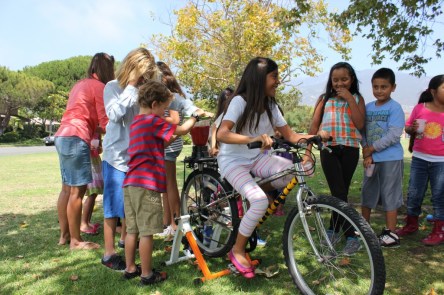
151	91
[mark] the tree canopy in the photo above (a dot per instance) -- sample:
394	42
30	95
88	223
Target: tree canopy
212	41
63	73
402	30
19	90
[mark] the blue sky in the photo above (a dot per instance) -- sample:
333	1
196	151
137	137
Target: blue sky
35	31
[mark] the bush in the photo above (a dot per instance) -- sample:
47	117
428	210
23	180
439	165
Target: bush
186	139
10	137
31	131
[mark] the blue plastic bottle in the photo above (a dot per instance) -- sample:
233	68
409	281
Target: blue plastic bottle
430	218
208	234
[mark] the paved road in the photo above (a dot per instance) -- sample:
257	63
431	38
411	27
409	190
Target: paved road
22	150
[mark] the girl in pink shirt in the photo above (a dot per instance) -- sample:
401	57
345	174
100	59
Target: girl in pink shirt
84	115
427	160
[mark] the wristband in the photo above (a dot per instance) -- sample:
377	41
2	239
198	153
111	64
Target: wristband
195	116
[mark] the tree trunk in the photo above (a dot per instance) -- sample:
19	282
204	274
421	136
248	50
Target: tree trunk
4	121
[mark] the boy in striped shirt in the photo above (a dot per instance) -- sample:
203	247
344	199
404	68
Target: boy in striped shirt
146	180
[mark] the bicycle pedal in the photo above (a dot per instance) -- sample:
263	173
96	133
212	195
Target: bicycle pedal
233	269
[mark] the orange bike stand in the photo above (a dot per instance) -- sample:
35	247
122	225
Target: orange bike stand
184	228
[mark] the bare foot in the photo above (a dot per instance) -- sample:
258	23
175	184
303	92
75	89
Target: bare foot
84	246
63	241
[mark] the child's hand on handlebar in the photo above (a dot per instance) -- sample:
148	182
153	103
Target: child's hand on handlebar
324	135
307	158
266	140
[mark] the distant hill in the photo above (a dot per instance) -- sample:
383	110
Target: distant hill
407	91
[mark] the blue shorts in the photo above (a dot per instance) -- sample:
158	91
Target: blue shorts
172	156
75	160
112	191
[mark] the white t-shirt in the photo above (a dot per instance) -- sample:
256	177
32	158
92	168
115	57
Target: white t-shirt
239	154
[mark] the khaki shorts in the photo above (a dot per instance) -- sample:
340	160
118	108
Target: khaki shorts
143	211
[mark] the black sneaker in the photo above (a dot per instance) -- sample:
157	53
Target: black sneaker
132	275
389	239
121	244
156	277
115	262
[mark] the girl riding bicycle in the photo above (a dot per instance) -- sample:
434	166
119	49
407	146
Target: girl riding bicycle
252	115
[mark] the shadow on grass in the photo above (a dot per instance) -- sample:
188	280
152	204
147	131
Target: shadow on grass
32	262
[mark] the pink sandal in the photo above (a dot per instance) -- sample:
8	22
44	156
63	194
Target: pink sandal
246	272
96	225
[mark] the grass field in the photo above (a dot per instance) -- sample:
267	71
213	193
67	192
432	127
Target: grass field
32	263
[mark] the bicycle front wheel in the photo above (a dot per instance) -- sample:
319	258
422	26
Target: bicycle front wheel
325	265
213	213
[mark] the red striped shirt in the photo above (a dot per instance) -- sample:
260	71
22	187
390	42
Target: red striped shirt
146	167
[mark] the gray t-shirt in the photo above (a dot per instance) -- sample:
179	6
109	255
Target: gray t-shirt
239	154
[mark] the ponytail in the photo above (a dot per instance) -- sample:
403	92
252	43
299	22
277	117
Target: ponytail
426	96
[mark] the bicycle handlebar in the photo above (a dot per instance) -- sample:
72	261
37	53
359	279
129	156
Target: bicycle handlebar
278	143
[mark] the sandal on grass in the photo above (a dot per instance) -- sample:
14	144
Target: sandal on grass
156	277
90	231
96	225
85	246
246	272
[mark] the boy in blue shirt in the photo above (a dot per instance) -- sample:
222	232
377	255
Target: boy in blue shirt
381	146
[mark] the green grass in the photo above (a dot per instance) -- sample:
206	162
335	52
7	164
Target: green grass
32	263
26	142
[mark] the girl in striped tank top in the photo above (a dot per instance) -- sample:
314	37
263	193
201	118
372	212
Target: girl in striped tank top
341	112
179	107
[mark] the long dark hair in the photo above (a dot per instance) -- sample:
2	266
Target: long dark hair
330	92
102	65
222	100
426	96
168	78
252	89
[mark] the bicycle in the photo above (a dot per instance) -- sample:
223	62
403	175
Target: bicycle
313	254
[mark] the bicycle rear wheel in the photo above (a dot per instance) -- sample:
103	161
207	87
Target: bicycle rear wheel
213	213
333	271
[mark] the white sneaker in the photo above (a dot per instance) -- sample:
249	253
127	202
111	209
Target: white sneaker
389	239
168	231
261	243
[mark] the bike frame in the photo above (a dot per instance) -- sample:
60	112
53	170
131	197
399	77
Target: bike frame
298	180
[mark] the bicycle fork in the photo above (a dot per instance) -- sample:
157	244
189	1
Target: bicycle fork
303	211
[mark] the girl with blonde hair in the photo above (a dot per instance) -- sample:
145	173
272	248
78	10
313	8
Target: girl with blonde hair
120	97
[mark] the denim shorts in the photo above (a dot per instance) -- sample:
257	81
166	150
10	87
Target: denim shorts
75	160
172	156
112	191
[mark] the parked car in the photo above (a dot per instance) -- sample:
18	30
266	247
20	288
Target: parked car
49	140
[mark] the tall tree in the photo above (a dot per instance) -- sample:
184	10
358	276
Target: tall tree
212	41
51	107
63	73
400	29
19	90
